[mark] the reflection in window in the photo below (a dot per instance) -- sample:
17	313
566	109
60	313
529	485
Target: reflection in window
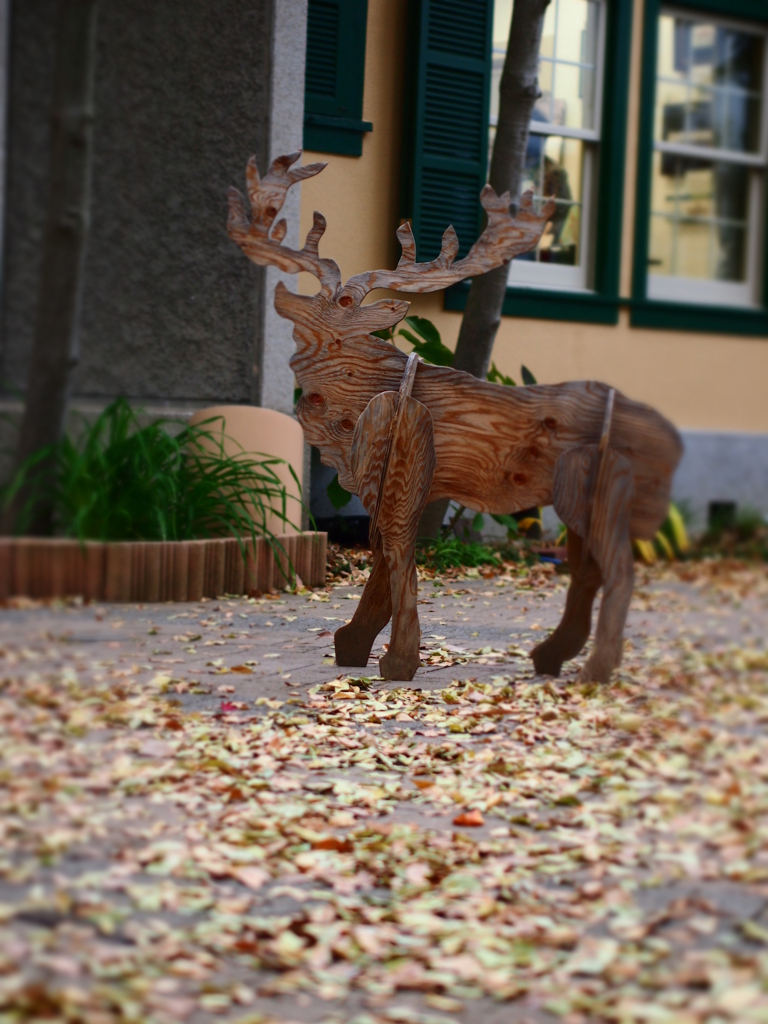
699	218
553	168
561	158
709	160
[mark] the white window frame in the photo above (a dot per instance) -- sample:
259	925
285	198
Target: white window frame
557	277
698	291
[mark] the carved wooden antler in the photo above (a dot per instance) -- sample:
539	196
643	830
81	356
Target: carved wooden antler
504	238
262	243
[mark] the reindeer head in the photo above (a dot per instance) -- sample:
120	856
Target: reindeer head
330	326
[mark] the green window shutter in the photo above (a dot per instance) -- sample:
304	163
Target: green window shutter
335	76
450	129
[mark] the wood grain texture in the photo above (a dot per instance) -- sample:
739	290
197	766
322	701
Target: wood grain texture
393	460
611	547
406	490
354	641
151	571
572	633
491	448
593	495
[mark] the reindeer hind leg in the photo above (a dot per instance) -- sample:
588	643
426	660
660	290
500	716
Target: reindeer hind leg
611	548
573	631
573	483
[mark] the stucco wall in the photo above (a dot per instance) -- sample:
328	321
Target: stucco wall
701	381
172	310
360	196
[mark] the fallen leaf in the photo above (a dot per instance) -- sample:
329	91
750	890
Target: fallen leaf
469	819
333	843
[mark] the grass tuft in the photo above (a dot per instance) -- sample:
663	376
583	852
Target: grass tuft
122	481
452	553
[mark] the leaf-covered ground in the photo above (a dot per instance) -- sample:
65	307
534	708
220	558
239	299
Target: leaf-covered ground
203	819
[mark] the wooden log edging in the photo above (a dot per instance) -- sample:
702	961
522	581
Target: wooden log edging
148	571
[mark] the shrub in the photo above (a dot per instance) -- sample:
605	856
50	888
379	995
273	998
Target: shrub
122	481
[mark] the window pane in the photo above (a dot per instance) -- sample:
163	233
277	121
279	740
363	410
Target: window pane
699	218
569	47
554	167
709	84
568	62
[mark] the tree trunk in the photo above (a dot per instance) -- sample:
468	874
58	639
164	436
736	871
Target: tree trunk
55	352
518	93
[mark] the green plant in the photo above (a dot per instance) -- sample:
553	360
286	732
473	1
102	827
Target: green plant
749	523
424	337
495	376
457	520
336	493
452	553
735	532
671	540
122	481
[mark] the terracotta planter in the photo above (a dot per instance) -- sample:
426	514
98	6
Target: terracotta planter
251	429
148	571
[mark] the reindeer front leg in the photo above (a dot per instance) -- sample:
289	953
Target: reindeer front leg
354	641
405	458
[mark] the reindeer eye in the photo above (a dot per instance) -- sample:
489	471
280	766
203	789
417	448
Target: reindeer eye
315	399
271	211
346	300
347	425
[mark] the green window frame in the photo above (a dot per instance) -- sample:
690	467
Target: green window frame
335	77
454	37
645	311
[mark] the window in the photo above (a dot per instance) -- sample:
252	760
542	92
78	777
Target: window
563	146
708	162
576	150
334	76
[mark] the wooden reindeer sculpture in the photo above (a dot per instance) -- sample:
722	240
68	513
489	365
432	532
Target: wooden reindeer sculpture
402	433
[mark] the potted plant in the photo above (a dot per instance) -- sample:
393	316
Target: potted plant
157	512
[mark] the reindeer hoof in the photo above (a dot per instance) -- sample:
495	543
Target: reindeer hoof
352	648
394	666
596	670
546	659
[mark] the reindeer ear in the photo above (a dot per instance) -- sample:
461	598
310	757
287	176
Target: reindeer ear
384	313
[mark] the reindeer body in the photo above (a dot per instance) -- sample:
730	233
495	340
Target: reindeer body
401	434
496	447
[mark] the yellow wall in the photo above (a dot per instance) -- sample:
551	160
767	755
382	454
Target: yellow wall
702	381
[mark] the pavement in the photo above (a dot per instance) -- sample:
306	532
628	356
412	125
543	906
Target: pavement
204	818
